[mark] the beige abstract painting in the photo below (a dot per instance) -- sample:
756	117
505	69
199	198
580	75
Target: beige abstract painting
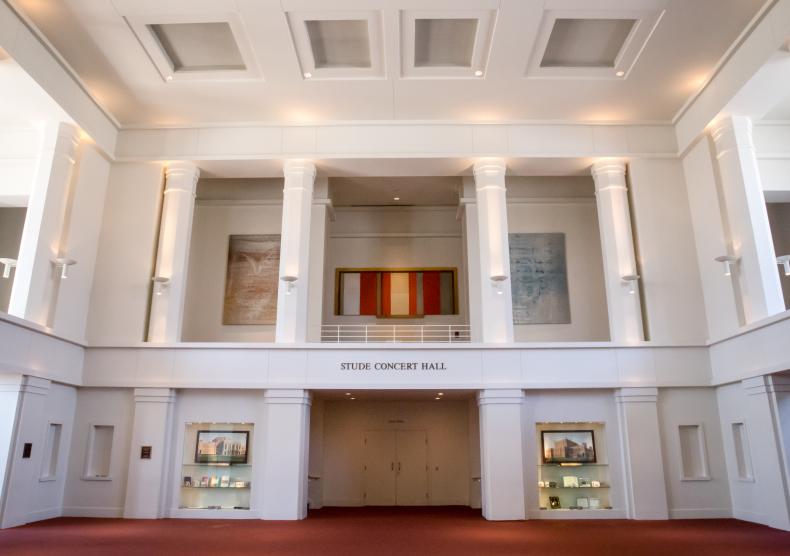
252	280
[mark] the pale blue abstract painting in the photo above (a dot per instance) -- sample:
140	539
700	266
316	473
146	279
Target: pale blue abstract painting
539	279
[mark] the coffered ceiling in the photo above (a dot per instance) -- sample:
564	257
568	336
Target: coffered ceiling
186	62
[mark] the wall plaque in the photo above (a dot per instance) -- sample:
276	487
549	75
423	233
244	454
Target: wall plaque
26	450
145	452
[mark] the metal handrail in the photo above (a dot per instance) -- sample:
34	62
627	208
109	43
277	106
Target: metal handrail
396	333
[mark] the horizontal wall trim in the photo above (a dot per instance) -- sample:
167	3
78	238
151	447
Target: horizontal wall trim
92	511
700	513
392	234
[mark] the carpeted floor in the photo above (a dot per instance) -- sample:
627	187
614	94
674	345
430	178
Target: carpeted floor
393	531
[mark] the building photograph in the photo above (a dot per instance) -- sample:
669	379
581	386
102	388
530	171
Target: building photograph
354	277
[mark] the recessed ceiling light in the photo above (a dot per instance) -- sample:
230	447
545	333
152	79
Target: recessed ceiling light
620	73
440	394
307	75
396	198
348	393
169	77
479	73
352	398
437	398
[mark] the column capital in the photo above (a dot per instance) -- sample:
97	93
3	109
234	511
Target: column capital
500	396
288	397
489	167
636	395
732	132
608	169
298	167
181	176
62	137
154	395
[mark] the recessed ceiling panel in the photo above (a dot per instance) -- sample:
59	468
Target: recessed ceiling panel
444	42
340	43
199	46
592	43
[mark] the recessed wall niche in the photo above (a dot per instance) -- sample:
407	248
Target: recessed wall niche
99	454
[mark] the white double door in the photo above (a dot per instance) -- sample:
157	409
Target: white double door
396	468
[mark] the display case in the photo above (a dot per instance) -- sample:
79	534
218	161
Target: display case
573	469
216	470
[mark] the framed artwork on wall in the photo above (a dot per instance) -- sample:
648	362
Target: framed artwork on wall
571	446
396	293
221	446
252	279
539	279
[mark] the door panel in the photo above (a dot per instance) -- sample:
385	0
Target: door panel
411	466
380	464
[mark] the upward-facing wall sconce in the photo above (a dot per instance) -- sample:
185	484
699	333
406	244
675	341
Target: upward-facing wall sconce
631	280
8	264
160	283
729	261
290	282
64	265
784	260
498	280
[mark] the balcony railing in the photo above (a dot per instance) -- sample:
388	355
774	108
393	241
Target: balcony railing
407	333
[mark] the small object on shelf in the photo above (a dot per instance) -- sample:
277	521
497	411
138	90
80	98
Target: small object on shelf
583	502
554	502
213	507
187	481
543	507
214	482
595	503
574	507
541	484
584	482
570	481
595	484
552	484
225	481
204	481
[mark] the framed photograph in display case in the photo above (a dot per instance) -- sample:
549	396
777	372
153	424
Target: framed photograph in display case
568	446
221	446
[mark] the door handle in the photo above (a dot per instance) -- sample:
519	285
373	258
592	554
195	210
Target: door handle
398	467
392	466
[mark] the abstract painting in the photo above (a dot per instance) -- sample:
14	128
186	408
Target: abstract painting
252	279
539	278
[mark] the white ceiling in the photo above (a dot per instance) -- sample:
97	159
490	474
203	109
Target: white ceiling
95	39
23	103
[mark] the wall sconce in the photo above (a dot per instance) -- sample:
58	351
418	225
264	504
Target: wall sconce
784	260
290	281
160	283
631	280
64	265
8	264
498	279
728	261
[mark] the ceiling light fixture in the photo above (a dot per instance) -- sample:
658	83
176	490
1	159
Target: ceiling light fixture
479	73
728	261
437	398
169	77
352	398
620	73
307	75
64	263
630	280
440	394
348	393
396	198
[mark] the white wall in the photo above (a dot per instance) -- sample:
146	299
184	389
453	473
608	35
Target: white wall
779	216
693	498
19	149
12	220
671	287
394	237
99	497
125	259
28	496
244	208
564	205
710	240
573	406
445	422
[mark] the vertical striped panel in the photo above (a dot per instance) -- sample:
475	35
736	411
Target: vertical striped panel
447	293
431	293
386	296
368	294
350	293
420	302
412	293
399	293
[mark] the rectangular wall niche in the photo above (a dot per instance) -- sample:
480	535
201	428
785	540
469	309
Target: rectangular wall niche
693	454
49	466
743	457
99	456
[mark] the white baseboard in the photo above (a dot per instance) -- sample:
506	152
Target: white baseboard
345	502
92	511
449	502
763	519
41	515
700	513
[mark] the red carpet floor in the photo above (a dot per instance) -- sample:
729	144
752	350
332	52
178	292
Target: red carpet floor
393	531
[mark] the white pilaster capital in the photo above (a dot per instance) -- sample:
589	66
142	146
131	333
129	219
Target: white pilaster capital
504	396
154	395
299	168
732	132
607	170
489	168
24	384
636	395
181	176
288	397
63	138
764	385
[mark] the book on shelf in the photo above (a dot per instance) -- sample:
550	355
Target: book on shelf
224	482
214	482
204	481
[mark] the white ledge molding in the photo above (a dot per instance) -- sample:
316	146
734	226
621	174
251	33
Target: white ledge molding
396	140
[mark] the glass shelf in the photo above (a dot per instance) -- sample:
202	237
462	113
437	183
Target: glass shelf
216	488
573	466
217	465
215	508
574	509
574	488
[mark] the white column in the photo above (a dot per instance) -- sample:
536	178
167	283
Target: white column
747	219
502	454
496	302
321	211
472	260
641	446
768	456
617	247
293	291
172	256
146	484
36	280
283	484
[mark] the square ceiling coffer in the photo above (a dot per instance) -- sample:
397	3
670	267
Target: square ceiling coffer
586	43
444	42
199	46
341	43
